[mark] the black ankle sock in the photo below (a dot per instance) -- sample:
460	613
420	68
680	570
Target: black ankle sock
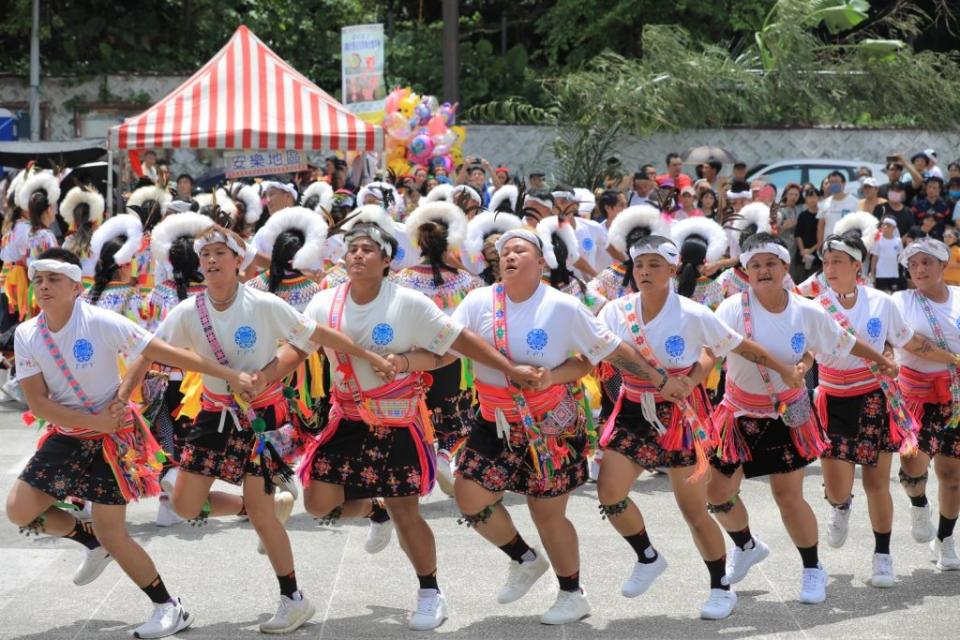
810	557
881	542
569	583
945	528
288	584
743	539
641	544
377	512
717	569
428	582
918	501
83	533
157	591
518	550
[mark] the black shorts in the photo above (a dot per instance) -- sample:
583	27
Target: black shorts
65	466
859	428
771	449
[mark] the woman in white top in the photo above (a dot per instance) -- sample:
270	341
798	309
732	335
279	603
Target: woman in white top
113	247
82	209
932	391
859	407
646	430
768	428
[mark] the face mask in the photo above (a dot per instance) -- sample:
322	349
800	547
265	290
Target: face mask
895	196
955	195
836	187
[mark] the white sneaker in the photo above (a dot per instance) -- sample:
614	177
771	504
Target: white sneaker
945	553
85	514
883	576
813	590
593	469
93	565
445	472
838	526
290	615
643	576
431	610
378	536
12	388
166	516
742	559
921	528
167	619
290	486
521	576
282	507
169	480
570	606
719	605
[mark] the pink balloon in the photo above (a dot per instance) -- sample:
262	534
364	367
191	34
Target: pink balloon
420	148
397	126
436	126
441	150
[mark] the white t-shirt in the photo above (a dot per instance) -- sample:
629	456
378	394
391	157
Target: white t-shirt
592	241
18	243
542	331
876	319
677	333
249	331
803	326
832	210
407	254
90	342
947	315
887	251
396	321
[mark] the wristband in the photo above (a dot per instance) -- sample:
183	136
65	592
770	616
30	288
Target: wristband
666	379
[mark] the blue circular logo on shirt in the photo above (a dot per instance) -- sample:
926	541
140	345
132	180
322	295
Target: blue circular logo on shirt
798	342
82	350
245	337
382	334
874	327
537	339
675	346
398	257
588	244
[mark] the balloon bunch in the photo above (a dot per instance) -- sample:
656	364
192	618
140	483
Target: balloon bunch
421	131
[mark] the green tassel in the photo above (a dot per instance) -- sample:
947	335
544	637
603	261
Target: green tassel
289	393
259	425
161	456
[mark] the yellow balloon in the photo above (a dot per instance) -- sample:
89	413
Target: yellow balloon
399	166
461	135
456	154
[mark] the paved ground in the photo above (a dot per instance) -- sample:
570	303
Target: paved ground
230	588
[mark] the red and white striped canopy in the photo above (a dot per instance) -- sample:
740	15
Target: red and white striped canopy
247	97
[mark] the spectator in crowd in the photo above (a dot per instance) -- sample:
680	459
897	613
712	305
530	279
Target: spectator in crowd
871	195
807	261
896	208
791	204
895	169
711	173
836	205
419	177
643	186
650	170
536	180
501	177
953	197
184	187
675	173
925	162
280	195
885	257
610	202
952	274
928	227
931	203
739	172
707	203
148	164
688	205
953	170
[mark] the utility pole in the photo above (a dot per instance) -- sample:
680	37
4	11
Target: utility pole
35	73
451	62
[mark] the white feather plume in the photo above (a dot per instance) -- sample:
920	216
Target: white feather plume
249	196
325	193
372	213
446	212
121	225
377	189
551	225
709	230
440	193
38	181
314	228
506	193
755	213
640	215
866	224
150	192
81	195
188	223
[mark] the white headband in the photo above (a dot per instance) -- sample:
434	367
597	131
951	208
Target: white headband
214	237
666	250
768	247
373	232
72	271
282	186
739	195
566	195
540	201
932	247
523	234
832	244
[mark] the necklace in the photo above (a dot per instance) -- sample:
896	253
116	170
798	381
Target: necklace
227	302
846	296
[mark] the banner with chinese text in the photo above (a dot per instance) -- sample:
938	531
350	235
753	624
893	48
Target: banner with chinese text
363	90
246	164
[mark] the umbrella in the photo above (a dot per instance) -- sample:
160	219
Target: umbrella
92	173
46	154
706	153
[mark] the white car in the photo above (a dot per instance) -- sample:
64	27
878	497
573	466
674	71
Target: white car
814	171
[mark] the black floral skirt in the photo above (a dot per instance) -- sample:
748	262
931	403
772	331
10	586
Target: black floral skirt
771	449
634	437
859	428
498	466
450	407
64	466
934	437
369	461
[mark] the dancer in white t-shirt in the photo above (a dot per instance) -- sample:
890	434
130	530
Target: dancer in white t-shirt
932	391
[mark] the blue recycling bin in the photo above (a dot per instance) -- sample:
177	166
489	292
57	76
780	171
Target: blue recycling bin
8	125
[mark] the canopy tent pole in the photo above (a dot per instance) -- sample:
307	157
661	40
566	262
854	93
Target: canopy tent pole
110	181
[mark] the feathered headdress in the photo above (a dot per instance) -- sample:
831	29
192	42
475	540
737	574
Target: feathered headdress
318	197
224	201
753	218
121	225
710	232
148	193
38	181
79	196
863	223
504	199
447	213
641	216
546	229
440	193
384	192
187	224
249	196
484	224
314	228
